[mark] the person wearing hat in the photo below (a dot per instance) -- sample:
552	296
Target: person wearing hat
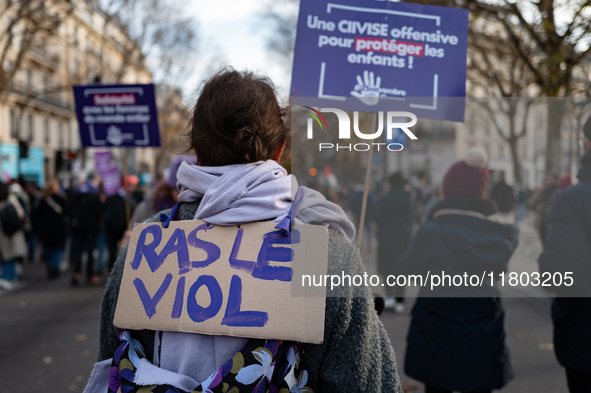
568	249
456	339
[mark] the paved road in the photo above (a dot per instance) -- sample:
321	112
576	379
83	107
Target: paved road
48	335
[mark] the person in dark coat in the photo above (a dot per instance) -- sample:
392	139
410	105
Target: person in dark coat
457	339
568	249
394	215
502	194
51	224
87	215
115	215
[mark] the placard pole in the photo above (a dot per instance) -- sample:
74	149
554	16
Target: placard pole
365	191
124	170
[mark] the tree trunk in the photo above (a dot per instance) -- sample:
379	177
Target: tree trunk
515	159
556	108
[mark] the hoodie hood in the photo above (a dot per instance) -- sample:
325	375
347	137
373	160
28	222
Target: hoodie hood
476	236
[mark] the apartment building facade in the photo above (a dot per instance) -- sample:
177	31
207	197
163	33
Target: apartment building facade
38	113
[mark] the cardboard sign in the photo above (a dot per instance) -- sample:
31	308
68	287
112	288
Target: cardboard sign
385	54
117	115
234	281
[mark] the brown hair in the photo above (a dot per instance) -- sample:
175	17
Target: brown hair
48	189
237	120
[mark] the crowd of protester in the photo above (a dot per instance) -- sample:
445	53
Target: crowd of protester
74	227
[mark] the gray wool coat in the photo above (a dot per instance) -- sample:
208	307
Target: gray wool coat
356	355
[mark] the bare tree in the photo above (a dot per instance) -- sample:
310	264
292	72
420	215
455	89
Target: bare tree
497	71
26	27
173	116
159	33
282	15
550	50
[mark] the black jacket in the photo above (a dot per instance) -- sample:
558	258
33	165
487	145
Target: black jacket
502	194
458	343
568	249
87	210
51	223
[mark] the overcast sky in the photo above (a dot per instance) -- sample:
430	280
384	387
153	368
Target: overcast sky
232	32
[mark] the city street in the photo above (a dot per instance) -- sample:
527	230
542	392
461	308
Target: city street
49	333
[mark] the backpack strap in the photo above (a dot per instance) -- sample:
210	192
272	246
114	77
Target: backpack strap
166	219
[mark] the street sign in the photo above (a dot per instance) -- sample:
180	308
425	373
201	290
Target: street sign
117	115
384	54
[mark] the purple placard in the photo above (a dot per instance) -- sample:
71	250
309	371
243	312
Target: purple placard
392	56
117	115
102	161
111	181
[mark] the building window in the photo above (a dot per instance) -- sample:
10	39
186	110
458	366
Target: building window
60	134
487	149
501	151
46	131
76	36
12	125
540	119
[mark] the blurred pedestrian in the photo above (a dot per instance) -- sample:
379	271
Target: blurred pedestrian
34	195
541	203
568	249
239	134
16	189
87	215
502	194
393	214
115	216
12	237
433	197
522	198
133	195
51	221
457	338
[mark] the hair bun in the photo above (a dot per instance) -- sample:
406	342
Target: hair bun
476	157
251	144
